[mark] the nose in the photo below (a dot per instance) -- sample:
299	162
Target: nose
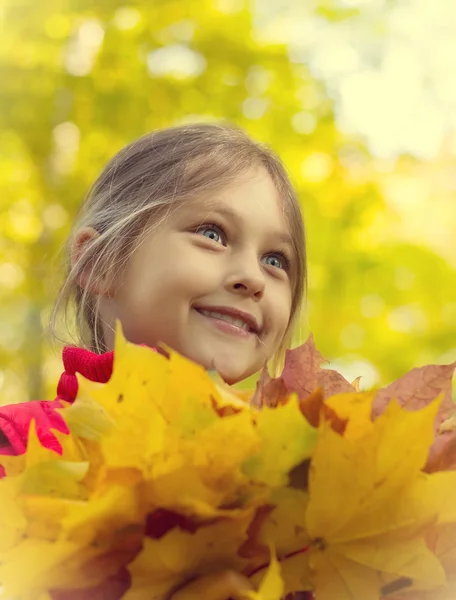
247	278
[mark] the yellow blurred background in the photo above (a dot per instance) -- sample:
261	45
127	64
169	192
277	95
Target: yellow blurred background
358	97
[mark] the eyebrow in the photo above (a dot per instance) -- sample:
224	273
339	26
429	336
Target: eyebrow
282	236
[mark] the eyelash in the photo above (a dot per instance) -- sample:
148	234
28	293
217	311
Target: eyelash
283	256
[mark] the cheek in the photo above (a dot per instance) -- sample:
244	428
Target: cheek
171	281
189	280
282	313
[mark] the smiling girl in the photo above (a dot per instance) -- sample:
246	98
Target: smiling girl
193	237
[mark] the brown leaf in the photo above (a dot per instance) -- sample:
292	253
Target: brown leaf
442	455
269	392
302	365
303	373
417	389
334	383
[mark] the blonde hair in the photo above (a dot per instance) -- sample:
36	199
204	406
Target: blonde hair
137	190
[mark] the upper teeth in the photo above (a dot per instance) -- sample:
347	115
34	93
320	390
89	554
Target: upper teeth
216	315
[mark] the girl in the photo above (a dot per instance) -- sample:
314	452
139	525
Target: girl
191	236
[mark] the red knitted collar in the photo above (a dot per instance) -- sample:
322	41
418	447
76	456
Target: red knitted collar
96	367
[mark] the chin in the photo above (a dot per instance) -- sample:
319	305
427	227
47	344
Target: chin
232	373
229	364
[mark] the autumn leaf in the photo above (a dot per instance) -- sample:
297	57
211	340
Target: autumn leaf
130	441
112	587
385	505
314	408
338	577
442	541
71	544
269	391
202	482
178	447
40	560
442	455
190	408
198	475
13	523
272	586
418	388
354	410
178	556
86	418
356	384
282	526
46	472
59	566
286	440
449	425
229	397
302	374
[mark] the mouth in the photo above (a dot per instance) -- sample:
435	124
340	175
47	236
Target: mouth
231	320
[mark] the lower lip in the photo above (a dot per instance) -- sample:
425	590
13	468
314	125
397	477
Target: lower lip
226	327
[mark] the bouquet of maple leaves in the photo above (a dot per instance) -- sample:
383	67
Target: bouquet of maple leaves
306	484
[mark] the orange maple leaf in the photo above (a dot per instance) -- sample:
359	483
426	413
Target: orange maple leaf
302	374
417	389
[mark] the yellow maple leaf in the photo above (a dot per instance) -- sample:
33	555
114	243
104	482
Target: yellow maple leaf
282	526
71	544
272	586
137	425
178	444
163	437
356	409
54	530
442	541
384	506
34	499
72	451
39	560
12	520
199	475
287	439
179	556
229	397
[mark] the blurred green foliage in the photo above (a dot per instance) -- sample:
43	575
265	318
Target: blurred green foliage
80	79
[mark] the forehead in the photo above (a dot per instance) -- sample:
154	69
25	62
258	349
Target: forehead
252	198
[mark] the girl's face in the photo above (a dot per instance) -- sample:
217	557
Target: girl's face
213	282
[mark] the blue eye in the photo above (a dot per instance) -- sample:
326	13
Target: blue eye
277	260
213	232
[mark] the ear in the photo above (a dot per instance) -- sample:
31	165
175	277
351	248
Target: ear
82	239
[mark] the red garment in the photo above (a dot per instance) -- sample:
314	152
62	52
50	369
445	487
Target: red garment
15	419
